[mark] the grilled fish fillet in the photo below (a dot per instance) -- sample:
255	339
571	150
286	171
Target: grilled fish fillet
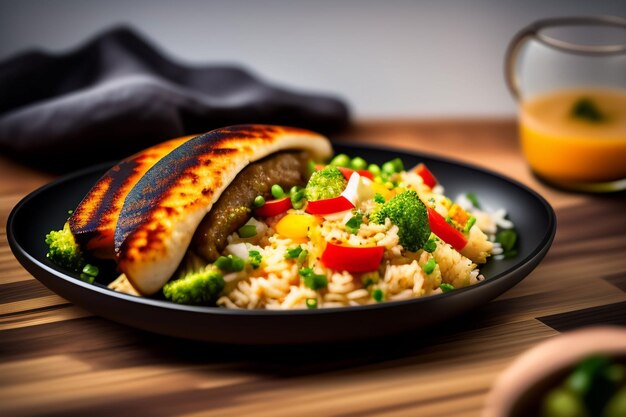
163	210
94	220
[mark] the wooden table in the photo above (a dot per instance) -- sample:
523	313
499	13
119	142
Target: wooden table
58	359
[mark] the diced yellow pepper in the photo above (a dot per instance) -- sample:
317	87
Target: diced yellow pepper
296	226
459	215
382	190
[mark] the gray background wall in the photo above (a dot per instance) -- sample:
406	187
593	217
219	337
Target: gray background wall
386	58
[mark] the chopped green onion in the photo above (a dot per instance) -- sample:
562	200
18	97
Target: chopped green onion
294	189
89	273
246	231
303	255
468	225
229	263
87	278
354	223
277	191
311	303
429	266
378	295
91	270
473	199
70	212
297	196
369	278
312	280
293	252
341	160
446	287
430	246
378	198
259	201
358	163
507	238
255	258
298	204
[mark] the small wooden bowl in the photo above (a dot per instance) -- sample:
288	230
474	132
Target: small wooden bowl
518	391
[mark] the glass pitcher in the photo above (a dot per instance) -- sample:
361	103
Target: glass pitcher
568	76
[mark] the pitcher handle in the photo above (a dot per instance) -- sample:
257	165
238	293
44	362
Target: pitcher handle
534	31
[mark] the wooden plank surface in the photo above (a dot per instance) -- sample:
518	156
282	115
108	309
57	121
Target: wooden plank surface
57	359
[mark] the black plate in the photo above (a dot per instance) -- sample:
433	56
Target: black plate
46	209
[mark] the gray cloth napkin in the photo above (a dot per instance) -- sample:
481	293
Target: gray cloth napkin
118	94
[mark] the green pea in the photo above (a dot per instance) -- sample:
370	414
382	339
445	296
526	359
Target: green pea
378	295
388	168
374	169
277	191
237	264
259	201
563	403
358	163
429	266
341	160
397	164
224	263
430	246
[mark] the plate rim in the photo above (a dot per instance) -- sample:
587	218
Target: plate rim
539	251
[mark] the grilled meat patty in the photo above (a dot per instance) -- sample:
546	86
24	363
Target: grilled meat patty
234	207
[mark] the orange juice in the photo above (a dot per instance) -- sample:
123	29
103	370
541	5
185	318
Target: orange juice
576	136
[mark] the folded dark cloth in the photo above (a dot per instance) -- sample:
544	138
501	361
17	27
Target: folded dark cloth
118	94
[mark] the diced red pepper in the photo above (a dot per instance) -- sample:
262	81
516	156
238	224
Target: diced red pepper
329	205
427	176
352	258
347	172
273	207
445	231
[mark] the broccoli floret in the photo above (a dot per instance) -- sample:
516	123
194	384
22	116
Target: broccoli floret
200	288
326	183
406	211
63	249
